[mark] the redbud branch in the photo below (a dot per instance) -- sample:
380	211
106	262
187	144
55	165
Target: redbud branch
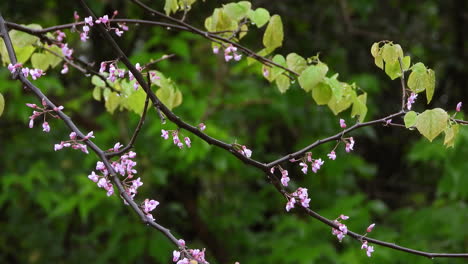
69	123
403	87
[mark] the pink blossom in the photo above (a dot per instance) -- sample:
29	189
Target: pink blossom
175	255
317	164
102	183
285	180
284	173
369	229
100	166
123	26
118	32
304	167
73	135
342	123
237	57
201	126
58	147
181	242
411	100
45	127
117	146
332	155
76	16
103	67
131	154
86	28
25	72
344	217
31	105
104	19
89	135
67	52
93	176
36	73
183	261
272	170
364	245
150	217
350	145
89	20
290	204
228	57
149	205
83	148
369	251
246	152
60	35
64	69
309	156
216	49
137	183
59	108
187	141
459	105
84	36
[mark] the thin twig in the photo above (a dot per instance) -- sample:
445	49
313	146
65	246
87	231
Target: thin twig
403	86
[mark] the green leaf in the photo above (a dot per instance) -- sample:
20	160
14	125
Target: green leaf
393	70
360	107
419	68
276	71
375	49
2	104
410	119
136	101
112	102
432	122
312	75
237	11
451	133
39	60
259	17
171	6
97	93
418	81
24	53
339	104
273	37
296	63
176	99
97	81
51	58
391	53
336	86
283	83
322	93
379	61
430	85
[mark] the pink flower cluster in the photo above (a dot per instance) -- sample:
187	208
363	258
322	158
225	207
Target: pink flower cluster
148	206
369	249
316	164
229	53
245	151
349	144
301	195
284	175
104	20
342	123
175	138
198	255
74	142
35	73
411	100
42	111
115	72
342	228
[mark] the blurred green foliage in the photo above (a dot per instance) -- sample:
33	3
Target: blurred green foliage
414	190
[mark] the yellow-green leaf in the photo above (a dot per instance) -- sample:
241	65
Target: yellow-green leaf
312	75
171	6
112	102
259	17
390	53
97	93
39	60
274	71
2	104
283	83
177	99
322	93
23	53
379	61
237	11
430	85
418	81
273	37
451	133
410	119
375	49
296	63
51	58
432	122
360	107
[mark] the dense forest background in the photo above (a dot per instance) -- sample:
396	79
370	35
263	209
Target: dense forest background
415	191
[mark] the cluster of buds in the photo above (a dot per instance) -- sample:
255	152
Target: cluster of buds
74	142
66	51
44	112
300	195
115	72
148	206
175	138
229	53
242	149
315	164
105	21
369	249
342	228
284	175
35	73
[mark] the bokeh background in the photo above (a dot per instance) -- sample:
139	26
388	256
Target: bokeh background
414	190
